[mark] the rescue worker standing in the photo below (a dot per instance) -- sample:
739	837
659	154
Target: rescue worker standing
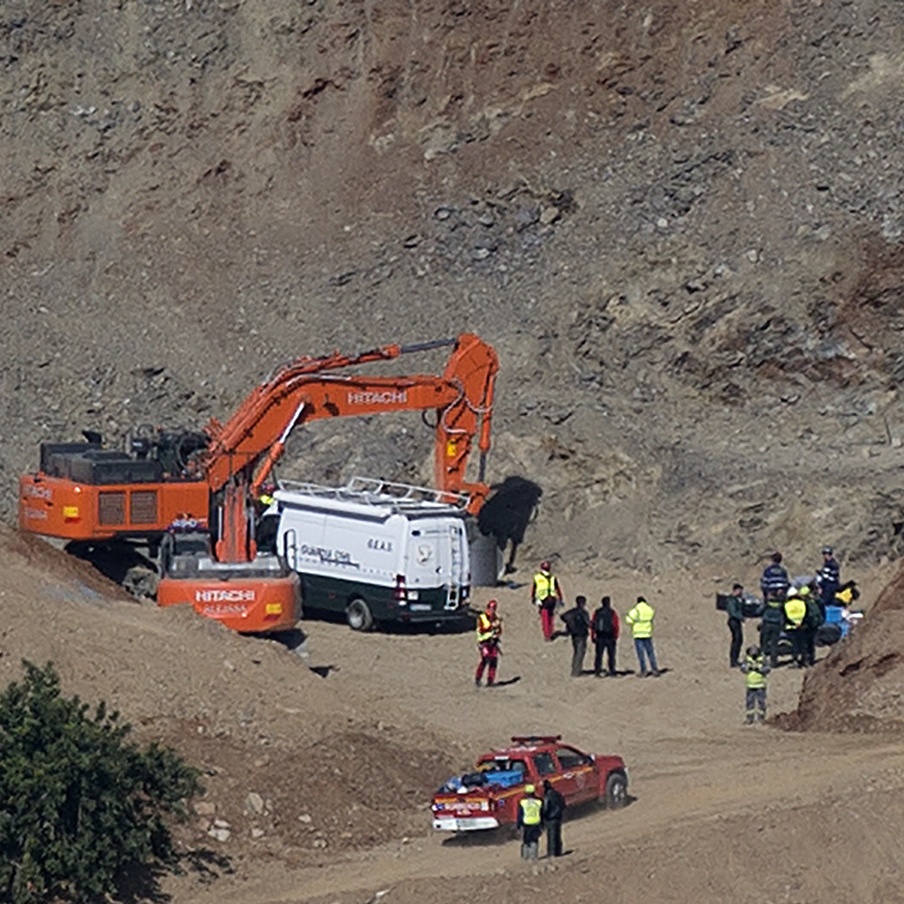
734	609
551	814
774	583
577	620
530	821
546	595
814	618
756	669
604	629
489	633
828	578
771	627
640	618
795	613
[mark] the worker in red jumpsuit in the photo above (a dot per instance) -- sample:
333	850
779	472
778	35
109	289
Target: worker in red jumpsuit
489	634
546	595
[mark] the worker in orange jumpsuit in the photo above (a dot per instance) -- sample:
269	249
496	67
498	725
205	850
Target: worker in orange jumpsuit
546	595
489	633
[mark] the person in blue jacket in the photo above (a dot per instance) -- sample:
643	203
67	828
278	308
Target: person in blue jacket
774	583
828	578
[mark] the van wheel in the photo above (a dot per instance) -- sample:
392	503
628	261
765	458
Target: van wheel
358	615
616	795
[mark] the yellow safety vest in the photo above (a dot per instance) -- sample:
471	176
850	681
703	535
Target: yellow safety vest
640	618
795	611
487	628
845	596
530	810
755	678
544	585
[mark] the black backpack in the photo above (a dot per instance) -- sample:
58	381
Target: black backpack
571	620
602	622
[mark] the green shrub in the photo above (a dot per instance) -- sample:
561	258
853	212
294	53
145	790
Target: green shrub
81	806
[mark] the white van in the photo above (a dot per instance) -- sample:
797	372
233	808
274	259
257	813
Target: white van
377	552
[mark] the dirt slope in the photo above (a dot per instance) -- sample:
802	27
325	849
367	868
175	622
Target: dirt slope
322	783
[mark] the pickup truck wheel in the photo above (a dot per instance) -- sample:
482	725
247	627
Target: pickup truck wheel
616	794
358	615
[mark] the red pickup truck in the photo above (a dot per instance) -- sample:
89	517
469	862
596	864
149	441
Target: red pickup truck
488	797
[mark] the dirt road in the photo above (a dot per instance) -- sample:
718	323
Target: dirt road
698	776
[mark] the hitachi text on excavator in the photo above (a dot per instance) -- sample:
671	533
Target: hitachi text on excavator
189	496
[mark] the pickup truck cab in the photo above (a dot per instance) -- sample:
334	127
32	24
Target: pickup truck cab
488	797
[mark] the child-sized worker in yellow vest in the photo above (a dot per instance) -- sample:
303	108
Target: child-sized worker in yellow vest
755	668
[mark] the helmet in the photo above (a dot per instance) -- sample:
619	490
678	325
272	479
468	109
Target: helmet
792	591
827	550
492	604
753	651
804	591
545	566
529	789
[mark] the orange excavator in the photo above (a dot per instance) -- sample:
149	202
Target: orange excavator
190	496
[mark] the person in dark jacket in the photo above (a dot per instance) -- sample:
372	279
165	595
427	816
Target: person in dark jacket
552	814
734	609
604	630
577	621
771	628
815	617
828	578
774	583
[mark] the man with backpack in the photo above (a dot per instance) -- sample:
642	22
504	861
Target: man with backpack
604	628
577	621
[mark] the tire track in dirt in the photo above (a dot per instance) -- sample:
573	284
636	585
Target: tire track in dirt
684	796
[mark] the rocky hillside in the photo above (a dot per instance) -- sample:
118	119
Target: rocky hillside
681	225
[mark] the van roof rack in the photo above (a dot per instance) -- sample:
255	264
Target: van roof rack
375	491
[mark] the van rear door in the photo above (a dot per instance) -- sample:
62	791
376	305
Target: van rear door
437	560
459	565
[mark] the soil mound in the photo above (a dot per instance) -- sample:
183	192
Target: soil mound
287	763
859	687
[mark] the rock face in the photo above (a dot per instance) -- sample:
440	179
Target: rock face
681	226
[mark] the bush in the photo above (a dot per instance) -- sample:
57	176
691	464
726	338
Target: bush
81	806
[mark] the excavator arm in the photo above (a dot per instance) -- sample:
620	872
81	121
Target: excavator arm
245	449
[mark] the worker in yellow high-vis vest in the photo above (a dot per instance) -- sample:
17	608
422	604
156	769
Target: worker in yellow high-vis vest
546	595
640	618
530	821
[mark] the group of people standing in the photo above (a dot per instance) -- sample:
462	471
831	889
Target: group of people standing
795	610
602	628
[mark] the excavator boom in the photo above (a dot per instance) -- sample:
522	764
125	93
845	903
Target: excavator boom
254	438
